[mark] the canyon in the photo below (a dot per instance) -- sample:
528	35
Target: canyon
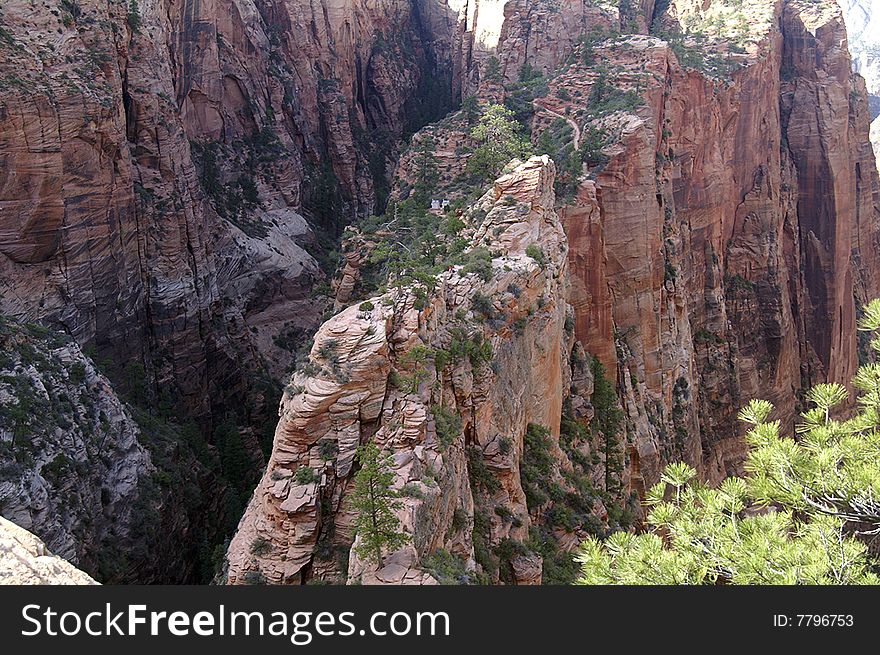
190	190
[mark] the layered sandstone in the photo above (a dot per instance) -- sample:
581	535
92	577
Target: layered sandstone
159	161
298	527
158	158
717	252
163	166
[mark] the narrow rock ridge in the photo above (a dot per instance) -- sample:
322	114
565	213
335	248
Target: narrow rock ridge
293	531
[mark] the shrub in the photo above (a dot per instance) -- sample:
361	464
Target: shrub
447	425
479	474
446	568
327	449
306	475
260	546
605	98
479	262
534	251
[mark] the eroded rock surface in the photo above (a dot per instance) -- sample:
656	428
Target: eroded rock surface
24	559
506	367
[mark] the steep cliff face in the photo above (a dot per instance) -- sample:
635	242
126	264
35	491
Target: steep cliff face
72	463
106	232
720	203
106	485
159	161
454	382
157	155
731	219
172	173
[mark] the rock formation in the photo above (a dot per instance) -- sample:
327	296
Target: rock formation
159	161
718	246
721	233
24	559
106	485
72	463
157	155
174	177
450	381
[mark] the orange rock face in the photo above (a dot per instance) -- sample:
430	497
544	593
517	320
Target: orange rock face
717	255
158	161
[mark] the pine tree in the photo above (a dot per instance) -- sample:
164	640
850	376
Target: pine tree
800	516
376	525
498	138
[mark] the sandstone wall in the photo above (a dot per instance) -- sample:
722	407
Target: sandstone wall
157	157
738	221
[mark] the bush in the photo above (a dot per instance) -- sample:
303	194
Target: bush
534	251
306	475
447	425
482	305
605	98
492	70
327	449
260	546
536	468
446	568
479	474
479	262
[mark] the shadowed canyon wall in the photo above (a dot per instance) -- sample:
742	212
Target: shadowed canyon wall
157	157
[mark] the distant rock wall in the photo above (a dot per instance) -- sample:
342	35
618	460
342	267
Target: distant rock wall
157	157
717	254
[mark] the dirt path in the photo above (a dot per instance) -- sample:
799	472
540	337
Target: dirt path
574	125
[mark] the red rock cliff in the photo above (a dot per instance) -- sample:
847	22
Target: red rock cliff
722	251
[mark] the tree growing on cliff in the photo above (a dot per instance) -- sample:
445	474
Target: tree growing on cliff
800	517
376	525
498	140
